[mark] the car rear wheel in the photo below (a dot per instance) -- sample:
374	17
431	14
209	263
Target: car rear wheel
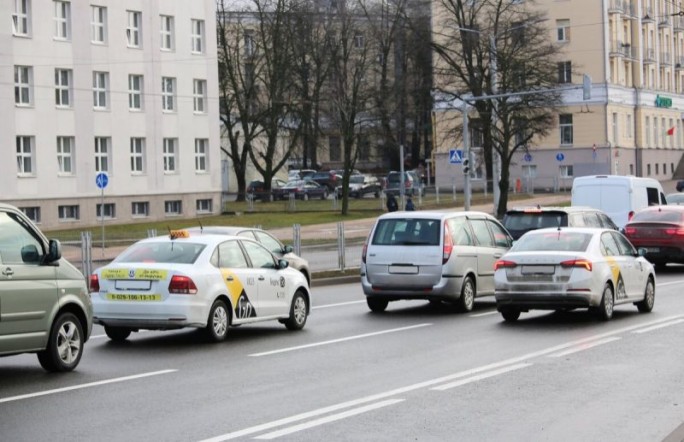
377	305
468	292
299	311
117	334
646	305
605	309
510	314
65	344
217	323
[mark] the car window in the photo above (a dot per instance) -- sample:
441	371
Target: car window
652	195
608	245
259	256
231	255
576	220
460	231
482	235
606	222
666	215
407	232
168	252
269	242
246	234
17	244
559	240
501	237
626	248
591	219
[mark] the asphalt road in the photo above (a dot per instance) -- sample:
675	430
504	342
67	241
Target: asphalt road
416	372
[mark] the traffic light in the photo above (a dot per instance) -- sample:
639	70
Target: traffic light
466	165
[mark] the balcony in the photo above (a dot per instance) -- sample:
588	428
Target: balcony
649	55
664	21
616	7
679	62
647	16
678	23
621	49
666	59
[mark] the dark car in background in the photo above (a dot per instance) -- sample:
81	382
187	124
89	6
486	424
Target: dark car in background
412	184
258	189
329	179
521	220
659	230
302	190
360	185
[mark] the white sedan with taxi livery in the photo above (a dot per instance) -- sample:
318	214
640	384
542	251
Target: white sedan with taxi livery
197	280
567	268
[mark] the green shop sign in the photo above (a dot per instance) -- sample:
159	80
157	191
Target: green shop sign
663	102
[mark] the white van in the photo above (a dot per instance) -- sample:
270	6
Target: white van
616	195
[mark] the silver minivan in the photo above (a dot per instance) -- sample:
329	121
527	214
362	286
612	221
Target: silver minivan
44	303
437	256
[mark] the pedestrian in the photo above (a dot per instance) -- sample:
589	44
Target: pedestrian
409	204
392	205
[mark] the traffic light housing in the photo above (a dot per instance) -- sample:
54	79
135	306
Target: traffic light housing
466	165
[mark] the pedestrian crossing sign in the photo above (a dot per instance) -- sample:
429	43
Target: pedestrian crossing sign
455	156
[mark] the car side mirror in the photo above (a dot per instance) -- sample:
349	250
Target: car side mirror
641	251
54	251
283	264
29	254
288	249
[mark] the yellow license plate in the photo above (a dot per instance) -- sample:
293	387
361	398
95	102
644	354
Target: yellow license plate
133	297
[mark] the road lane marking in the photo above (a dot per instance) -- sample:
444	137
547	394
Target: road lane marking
335	341
663	284
655	327
328	419
341	304
477	315
88	385
585	346
479	377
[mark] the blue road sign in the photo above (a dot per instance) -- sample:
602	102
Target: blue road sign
455	156
560	156
527	158
101	180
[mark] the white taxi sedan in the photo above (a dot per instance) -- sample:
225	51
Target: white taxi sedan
204	281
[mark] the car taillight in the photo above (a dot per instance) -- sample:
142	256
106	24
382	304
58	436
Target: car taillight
630	230
363	252
630	215
94	283
675	231
583	263
504	264
448	245
182	285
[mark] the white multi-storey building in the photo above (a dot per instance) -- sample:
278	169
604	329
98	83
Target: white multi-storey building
126	88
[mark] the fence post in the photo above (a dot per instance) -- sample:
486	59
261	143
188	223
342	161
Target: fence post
437	194
250	202
151	233
297	239
340	247
86	254
291	203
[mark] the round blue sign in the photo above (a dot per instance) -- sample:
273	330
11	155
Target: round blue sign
560	156
527	157
101	180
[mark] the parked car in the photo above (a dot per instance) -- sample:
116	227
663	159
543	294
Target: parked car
680	185
301	189
660	231
437	256
353	172
264	238
329	179
521	220
412	184
44	302
297	174
572	267
360	185
210	282
258	189
675	198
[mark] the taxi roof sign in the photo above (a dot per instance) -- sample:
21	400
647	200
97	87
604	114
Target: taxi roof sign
179	233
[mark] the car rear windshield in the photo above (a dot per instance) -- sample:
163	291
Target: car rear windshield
534	220
162	252
661	216
553	241
356	179
407	232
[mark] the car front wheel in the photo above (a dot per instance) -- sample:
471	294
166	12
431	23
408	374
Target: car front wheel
646	305
65	344
299	311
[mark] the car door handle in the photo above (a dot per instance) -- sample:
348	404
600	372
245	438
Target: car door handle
498	255
261	278
230	278
8	271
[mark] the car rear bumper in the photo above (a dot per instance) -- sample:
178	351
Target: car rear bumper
546	300
150	315
447	289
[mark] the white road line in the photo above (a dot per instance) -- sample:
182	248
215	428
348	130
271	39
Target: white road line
328	419
335	341
477	315
91	384
104	336
655	327
584	346
663	284
479	377
341	304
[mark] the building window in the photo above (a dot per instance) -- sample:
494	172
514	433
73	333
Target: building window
647	131
529	171
168	94
23	85
106	211
25	156
100	90
565	121
98	24
334	148
170	154
657	169
565	72
173	208
137	156
102	154
563	30
166	32
135	92
250	43
21	18
33	213
656	139
566	171
65	155
648	170
134	29
140	208
616	131
63	87
204	206
199	96
201	154
62	20
197	36
358	41
68	213
628	126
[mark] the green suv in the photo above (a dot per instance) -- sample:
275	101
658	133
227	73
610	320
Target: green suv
44	302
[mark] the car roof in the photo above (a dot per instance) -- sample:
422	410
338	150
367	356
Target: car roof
533	209
428	214
592	230
208	239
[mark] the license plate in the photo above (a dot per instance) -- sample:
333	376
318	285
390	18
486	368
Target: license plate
532	270
132	284
133	297
652	249
410	270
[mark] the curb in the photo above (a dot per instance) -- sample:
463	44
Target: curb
335	280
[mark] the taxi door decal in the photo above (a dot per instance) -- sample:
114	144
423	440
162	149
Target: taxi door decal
618	282
243	307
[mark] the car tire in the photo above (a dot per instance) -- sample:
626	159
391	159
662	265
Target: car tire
468	292
217	322
65	344
510	314
646	305
117	334
605	309
376	305
299	311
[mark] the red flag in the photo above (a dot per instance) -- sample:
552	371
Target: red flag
670	131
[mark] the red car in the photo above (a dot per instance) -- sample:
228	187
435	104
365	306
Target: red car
660	231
